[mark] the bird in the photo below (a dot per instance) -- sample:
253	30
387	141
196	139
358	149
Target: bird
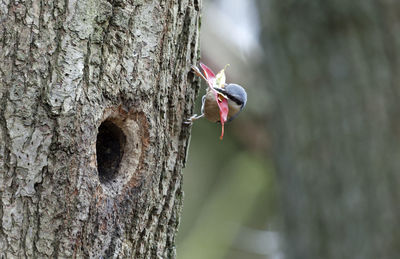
234	93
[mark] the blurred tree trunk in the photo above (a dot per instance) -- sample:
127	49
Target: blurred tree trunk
92	99
336	128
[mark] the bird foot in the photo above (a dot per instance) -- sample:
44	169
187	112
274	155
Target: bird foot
193	118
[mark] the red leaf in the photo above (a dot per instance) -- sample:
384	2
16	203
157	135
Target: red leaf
210	76
221	101
223	112
208	72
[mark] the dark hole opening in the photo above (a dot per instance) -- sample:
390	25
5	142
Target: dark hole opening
110	149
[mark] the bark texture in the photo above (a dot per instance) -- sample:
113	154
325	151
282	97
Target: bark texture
335	71
89	84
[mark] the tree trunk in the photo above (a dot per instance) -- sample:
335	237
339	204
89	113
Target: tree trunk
335	71
92	145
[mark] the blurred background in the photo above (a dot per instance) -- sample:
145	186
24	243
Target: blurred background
230	207
323	77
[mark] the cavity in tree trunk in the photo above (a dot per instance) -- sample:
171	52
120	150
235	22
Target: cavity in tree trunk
92	99
335	71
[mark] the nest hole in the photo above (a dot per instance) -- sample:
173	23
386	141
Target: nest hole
110	147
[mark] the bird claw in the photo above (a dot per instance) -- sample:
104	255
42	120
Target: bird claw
188	122
193	118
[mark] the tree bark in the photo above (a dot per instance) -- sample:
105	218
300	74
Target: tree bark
92	99
335	71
